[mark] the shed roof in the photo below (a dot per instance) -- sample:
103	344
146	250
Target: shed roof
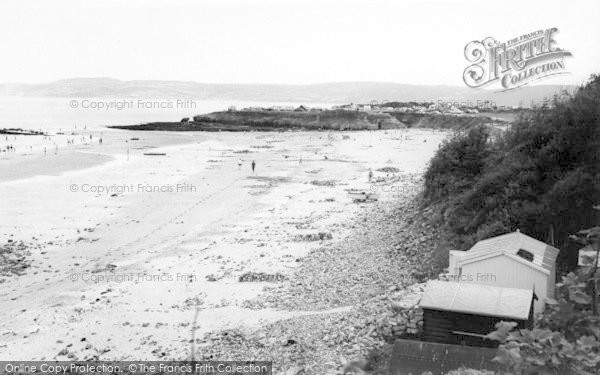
544	255
477	299
496	253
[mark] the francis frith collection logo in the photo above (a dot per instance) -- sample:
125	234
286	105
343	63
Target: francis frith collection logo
514	63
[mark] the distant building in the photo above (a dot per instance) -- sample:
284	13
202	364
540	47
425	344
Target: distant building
455	110
346	107
462	314
301	108
512	260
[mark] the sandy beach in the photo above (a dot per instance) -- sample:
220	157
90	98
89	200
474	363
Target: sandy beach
153	246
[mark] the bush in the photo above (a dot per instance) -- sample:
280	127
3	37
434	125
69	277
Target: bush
542	176
456	164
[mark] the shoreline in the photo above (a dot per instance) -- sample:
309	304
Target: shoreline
52	155
117	247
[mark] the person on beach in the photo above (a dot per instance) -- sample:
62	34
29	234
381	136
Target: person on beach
253	165
370	174
239	163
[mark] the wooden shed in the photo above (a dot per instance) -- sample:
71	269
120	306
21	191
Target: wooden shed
462	314
512	260
420	357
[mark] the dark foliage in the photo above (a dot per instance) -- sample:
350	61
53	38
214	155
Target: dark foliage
542	176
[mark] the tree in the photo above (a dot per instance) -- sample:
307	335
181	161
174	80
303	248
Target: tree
540	176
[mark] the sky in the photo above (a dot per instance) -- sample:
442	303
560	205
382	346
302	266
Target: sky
278	41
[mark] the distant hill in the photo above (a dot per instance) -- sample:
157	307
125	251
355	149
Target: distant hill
342	92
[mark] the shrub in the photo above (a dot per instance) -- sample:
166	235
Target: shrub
456	164
566	338
542	176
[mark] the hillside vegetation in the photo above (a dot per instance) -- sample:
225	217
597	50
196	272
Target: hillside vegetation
542	176
441	121
334	119
262	120
277	121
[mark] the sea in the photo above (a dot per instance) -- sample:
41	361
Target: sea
67	114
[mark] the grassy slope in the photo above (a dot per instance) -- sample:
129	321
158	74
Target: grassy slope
328	120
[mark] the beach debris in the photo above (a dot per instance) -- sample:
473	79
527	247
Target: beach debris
388	170
14	258
362	291
362	195
261	276
323	182
321	236
108	267
314	171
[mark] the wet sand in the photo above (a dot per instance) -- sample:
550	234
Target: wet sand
36	155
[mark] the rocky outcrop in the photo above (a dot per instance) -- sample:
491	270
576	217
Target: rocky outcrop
277	121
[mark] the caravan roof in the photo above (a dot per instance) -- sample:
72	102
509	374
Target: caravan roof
511	243
477	299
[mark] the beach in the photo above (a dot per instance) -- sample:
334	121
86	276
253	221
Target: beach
134	249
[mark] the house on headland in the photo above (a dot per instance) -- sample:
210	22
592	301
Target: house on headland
512	260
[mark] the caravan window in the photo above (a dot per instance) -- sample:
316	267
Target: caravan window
525	255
